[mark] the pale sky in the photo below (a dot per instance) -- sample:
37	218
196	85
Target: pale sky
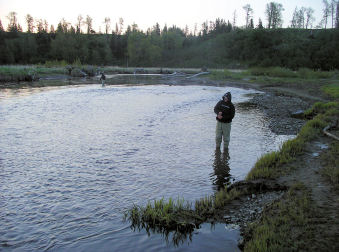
147	12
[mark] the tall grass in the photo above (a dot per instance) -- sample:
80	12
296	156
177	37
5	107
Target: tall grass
179	215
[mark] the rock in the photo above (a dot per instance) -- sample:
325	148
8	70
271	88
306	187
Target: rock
298	114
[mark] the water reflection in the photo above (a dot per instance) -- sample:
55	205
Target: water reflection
221	175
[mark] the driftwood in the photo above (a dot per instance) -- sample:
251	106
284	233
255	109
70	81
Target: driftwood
325	131
196	75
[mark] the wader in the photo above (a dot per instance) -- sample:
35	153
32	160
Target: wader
222	130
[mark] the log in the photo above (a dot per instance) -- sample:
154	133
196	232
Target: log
325	131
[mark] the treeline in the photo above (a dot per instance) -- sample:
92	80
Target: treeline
220	46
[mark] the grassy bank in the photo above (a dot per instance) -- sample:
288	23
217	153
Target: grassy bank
323	84
272	165
275	74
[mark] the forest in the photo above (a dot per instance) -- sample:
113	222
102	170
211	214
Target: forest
219	43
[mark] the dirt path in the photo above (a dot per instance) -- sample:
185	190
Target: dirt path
307	170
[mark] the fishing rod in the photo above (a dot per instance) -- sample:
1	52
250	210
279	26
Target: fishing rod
192	116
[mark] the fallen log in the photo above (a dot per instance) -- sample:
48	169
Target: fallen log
325	131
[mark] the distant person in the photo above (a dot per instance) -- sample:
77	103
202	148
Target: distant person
103	78
225	113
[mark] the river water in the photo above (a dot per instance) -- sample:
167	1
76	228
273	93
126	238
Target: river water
73	159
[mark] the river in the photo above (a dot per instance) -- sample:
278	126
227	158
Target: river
74	158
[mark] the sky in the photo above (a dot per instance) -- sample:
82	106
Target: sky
147	13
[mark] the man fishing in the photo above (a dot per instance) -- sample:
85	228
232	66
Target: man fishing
225	113
102	78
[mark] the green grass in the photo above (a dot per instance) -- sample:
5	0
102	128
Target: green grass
302	73
285	225
178	215
332	90
322	108
24	73
272	72
276	74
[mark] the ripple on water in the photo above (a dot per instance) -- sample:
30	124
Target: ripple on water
73	159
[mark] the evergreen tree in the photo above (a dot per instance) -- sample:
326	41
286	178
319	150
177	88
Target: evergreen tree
30	23
1	27
249	14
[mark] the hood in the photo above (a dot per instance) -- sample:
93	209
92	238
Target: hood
228	95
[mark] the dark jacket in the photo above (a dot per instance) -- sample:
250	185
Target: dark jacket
227	109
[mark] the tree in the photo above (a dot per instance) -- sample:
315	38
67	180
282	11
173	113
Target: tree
204	28
107	23
30	23
51	29
294	20
88	22
299	21
13	22
79	23
1	27
39	24
274	15
248	15
332	8
326	13
260	26
337	16
234	18
121	25
156	29
309	18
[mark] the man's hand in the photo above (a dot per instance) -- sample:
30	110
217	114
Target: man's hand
219	115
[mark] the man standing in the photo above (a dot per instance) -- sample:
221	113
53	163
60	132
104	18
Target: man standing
225	113
102	78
